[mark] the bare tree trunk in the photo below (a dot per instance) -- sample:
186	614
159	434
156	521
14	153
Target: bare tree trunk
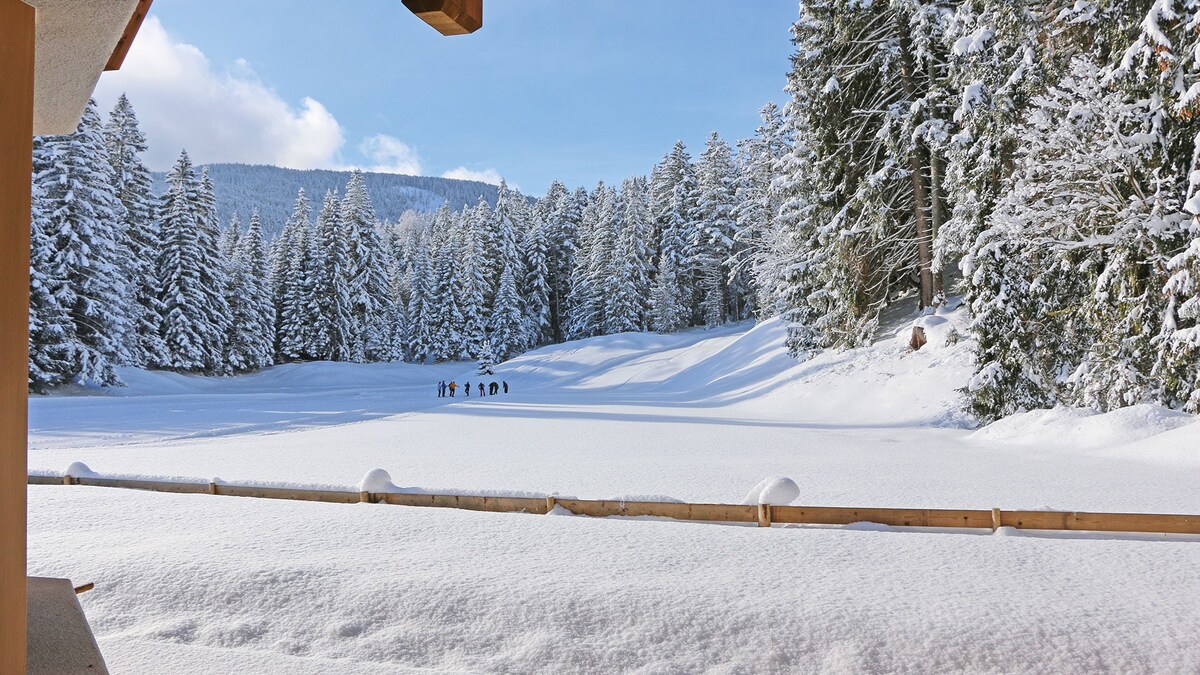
920	198
937	217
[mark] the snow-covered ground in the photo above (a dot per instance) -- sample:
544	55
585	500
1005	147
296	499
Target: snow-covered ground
192	583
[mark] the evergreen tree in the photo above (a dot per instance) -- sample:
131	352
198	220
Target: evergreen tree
667	313
421	311
52	340
330	303
131	179
195	314
252	324
82	216
536	289
295	316
506	325
711	248
366	272
630	272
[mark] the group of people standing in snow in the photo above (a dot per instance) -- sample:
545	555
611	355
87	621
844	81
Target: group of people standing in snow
491	389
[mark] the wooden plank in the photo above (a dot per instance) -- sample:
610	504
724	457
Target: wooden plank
737	513
449	17
468	502
710	512
329	496
1102	522
126	40
150	485
844	515
17	44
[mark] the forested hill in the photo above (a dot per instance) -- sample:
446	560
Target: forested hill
272	190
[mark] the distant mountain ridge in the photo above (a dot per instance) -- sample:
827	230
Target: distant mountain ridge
272	190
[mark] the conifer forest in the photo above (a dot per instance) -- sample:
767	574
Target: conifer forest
1038	162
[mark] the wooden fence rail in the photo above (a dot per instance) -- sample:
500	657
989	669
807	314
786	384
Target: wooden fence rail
763	515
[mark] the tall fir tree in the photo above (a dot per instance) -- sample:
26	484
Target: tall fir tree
195	314
131	178
83	218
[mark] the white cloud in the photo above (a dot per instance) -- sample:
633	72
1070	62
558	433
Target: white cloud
234	117
463	173
389	154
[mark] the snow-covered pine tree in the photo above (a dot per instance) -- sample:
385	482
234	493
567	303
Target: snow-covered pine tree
995	65
673	203
333	326
252	316
630	265
1068	275
448	322
757	203
590	280
83	218
52	340
1163	59
195	314
470	285
397	324
295	317
131	178
866	74
667	312
560	213
507	321
711	248
536	287
227	241
367	273
486	360
505	227
421	312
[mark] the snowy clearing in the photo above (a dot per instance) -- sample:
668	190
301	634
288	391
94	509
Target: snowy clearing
214	584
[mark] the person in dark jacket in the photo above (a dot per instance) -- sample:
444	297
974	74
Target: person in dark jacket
493	388
467	389
481	389
441	389
505	383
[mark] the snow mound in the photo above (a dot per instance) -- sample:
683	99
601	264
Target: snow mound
79	470
1083	428
776	491
377	480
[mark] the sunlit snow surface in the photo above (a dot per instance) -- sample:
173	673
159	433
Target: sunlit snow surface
192	583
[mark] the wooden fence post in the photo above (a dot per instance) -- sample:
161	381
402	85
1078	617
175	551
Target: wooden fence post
550	503
995	519
364	497
212	488
764	515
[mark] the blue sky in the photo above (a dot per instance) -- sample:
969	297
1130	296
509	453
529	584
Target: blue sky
580	90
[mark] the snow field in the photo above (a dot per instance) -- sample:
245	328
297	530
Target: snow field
192	583
203	585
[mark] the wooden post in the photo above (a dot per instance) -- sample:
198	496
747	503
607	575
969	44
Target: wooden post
364	497
16	166
995	519
764	515
550	502
212	488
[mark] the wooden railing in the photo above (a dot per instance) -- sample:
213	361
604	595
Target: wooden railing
763	515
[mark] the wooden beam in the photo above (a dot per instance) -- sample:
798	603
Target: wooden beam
17	44
126	41
449	17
